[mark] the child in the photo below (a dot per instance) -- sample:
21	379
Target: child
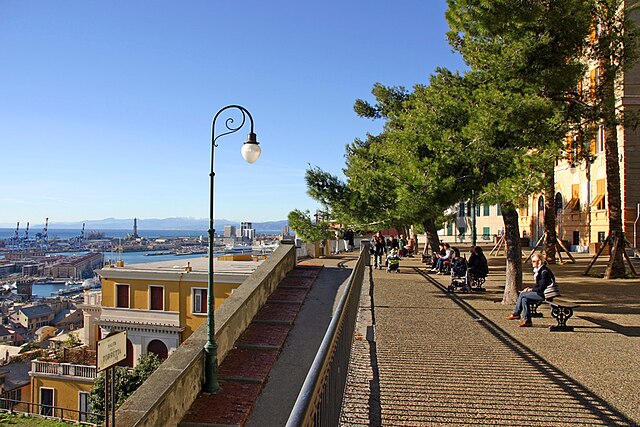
393	261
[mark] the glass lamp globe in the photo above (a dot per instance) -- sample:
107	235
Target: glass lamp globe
251	150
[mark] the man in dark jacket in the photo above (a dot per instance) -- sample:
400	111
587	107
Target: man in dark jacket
544	277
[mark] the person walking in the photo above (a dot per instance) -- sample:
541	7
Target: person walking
543	277
348	240
379	249
402	243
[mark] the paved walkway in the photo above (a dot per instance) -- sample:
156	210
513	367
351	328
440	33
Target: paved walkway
423	357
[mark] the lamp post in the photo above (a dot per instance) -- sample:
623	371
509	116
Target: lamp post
474	230
250	152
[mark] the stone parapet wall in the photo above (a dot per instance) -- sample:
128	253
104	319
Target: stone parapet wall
169	392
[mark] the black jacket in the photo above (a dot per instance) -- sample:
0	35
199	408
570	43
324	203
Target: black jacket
478	264
543	279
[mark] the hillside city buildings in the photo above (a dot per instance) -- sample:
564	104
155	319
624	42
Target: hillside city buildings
48	346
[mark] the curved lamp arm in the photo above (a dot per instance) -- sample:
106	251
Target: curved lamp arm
250	151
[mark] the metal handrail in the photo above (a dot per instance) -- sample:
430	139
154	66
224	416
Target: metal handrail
41	410
320	399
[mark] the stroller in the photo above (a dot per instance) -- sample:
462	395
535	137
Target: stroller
459	275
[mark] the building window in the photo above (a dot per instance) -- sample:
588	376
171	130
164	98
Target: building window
558	202
486	210
462	231
199	300
600	139
11	399
486	232
461	209
499	209
601	236
599	200
122	296
468	208
477	210
576	237
574	203
156	298
450	229
83	406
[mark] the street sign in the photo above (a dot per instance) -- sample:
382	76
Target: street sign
112	350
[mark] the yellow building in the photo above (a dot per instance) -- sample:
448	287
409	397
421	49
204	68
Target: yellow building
580	195
60	388
160	304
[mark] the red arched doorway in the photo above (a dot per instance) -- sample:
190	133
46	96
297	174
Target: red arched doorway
128	361
158	347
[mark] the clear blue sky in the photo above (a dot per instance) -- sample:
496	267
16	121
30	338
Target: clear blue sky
106	106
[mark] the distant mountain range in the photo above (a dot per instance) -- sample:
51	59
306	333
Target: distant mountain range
178	223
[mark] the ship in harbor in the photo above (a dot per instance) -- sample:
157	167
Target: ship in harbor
87	284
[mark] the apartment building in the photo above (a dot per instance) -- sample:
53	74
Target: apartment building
76	267
35	316
60	387
160	304
580	195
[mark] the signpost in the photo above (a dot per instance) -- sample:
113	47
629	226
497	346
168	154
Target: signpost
111	350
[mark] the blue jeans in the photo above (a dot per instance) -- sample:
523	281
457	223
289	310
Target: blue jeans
521	303
440	262
377	259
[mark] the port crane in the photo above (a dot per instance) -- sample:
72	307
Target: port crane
16	236
45	232
43	238
78	240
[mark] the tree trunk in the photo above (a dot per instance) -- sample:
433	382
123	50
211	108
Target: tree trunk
615	268
433	240
550	218
513	281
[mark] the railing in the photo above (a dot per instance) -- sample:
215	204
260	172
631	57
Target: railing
63	369
320	398
13	406
168	393
129	315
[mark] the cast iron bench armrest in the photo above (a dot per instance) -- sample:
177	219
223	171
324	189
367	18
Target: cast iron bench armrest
560	310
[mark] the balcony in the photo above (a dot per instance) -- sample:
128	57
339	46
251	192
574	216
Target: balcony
139	317
66	370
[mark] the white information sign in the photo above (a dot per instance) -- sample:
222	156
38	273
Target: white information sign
112	350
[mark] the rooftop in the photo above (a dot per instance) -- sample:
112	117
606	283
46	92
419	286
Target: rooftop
17	375
36	311
198	266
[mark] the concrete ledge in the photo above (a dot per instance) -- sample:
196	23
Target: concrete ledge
169	392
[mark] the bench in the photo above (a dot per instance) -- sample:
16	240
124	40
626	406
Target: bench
477	282
560	310
427	259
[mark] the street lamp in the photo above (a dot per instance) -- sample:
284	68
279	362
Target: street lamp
250	152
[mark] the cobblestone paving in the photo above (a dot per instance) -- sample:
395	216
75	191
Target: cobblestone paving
435	360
